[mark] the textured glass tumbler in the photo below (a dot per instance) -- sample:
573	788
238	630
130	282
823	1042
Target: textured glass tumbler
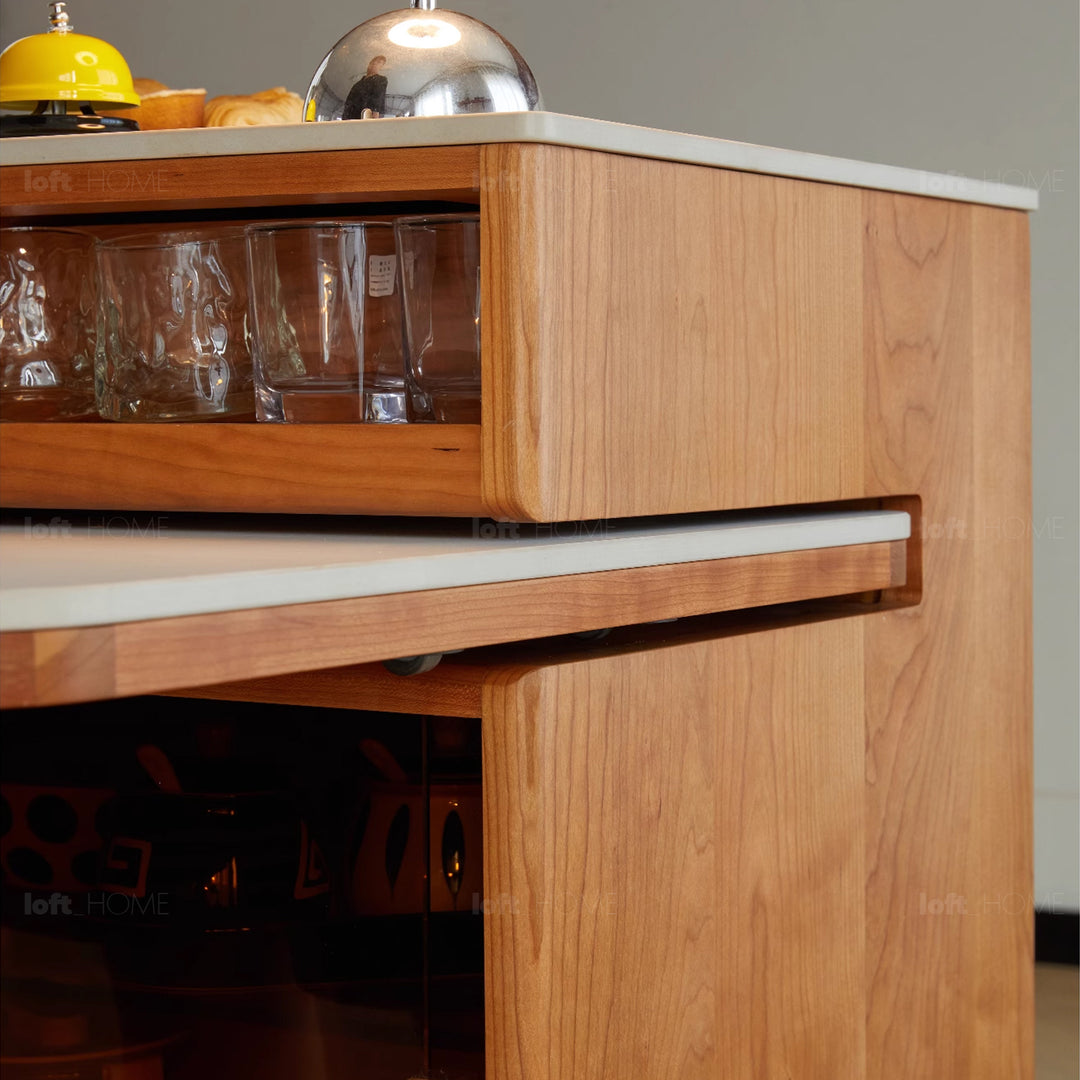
327	318
440	274
173	338
48	295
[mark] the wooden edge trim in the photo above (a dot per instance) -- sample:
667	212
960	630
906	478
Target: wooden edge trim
511	346
449	690
909	588
425	469
405	173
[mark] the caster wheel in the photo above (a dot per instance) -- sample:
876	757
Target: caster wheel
413	665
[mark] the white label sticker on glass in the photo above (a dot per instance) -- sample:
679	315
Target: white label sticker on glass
381	274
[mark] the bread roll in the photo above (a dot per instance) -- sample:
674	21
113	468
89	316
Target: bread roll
148	86
160	108
171	109
276	106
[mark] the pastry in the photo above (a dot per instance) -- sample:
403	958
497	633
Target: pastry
276	106
160	108
148	86
170	109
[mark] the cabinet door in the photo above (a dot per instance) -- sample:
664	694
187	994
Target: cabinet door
674	861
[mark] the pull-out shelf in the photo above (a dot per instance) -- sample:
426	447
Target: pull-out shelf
86	613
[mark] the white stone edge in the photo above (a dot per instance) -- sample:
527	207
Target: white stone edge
539	127
156	597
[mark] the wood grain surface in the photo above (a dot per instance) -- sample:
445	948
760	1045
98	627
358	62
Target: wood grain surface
51	667
948	691
333	176
663	338
1000	861
425	469
451	689
673	862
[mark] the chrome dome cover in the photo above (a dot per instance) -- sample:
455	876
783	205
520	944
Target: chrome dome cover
420	61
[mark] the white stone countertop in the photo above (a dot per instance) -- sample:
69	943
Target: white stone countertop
536	127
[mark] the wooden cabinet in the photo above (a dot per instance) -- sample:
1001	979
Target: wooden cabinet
674	846
727	848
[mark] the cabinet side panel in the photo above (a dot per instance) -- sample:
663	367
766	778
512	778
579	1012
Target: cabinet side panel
948	713
674	862
1002	695
664	338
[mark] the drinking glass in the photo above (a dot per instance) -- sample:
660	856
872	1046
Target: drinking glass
327	322
440	275
173	337
48	293
384	357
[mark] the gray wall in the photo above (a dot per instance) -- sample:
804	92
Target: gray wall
987	88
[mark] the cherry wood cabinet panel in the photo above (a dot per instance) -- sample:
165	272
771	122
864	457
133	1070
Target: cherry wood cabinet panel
948	691
418	469
659	335
673	861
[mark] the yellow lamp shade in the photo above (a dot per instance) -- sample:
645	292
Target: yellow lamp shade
64	67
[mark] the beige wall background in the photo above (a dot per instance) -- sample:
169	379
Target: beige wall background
987	88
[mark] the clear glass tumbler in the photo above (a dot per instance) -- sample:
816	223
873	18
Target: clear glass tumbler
327	322
173	336
440	274
48	295
384	355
